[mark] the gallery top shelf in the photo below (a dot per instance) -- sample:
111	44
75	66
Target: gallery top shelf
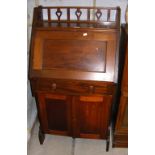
77	17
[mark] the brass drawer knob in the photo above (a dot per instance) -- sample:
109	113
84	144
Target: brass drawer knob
91	89
54	86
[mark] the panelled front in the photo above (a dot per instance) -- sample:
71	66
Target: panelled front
73	72
92	116
74	55
71	55
55	113
77	116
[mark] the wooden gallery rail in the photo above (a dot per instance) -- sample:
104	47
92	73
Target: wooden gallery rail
90	15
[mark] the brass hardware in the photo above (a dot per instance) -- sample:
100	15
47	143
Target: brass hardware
54	86
91	89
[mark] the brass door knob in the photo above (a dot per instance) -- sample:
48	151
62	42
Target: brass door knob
54	86
91	89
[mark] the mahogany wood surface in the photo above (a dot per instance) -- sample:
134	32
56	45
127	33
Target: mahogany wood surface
120	131
103	48
73	70
93	116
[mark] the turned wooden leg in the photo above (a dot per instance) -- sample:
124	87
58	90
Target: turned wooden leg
108	140
41	136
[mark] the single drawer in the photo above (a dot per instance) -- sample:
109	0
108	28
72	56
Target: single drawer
74	87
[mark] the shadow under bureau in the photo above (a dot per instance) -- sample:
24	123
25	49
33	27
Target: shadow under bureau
73	69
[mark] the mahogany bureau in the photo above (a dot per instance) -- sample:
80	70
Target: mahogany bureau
73	69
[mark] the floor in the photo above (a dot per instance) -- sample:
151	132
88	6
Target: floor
60	145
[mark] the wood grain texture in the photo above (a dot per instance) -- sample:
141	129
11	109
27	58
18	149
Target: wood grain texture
92	115
73	58
37	57
74	87
120	133
55	113
74	55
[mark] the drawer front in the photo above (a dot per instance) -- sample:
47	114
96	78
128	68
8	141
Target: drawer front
74	87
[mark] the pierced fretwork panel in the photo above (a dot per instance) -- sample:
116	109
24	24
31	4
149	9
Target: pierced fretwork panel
70	14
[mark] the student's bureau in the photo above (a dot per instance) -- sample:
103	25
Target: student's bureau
73	69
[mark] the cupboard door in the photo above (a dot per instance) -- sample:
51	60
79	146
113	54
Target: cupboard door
92	113
55	113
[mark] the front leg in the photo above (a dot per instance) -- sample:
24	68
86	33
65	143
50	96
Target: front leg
41	136
108	139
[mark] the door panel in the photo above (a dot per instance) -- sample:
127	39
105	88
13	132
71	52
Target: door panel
93	116
89	116
56	114
55	111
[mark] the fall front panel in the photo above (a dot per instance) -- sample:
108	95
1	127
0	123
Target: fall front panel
74	55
